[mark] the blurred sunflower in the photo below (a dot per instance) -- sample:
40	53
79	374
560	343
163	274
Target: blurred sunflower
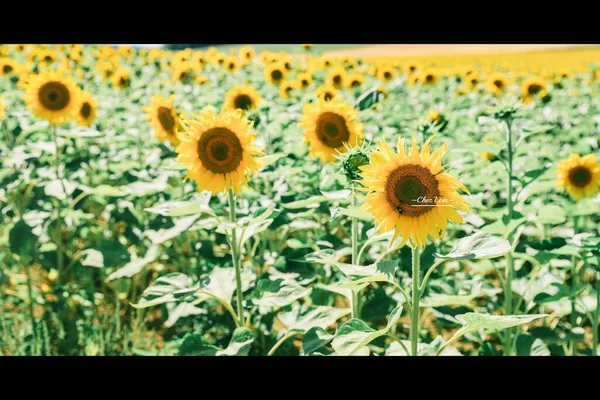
328	125
86	110
120	78
307	46
181	56
580	176
411	67
126	52
496	83
398	186
336	77
218	150
182	73
163	118
326	92
531	87
434	116
275	73
304	80
484	154
197	61
8	66
47	57
247	53
231	64
429	77
243	97
218	59
472	81
201	80
52	96
386	73
2	109
355	80
286	88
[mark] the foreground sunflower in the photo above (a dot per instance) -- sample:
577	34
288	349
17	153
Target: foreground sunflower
86	111
328	125
580	176
52	96
243	97
409	192
218	150
163	118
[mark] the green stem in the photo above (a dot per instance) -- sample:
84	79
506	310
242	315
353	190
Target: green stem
31	300
57	204
226	305
355	295
414	318
280	342
426	278
573	344
117	315
236	259
596	316
508	298
397	339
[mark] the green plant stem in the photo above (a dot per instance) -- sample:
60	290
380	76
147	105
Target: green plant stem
397	339
31	299
596	316
573	344
414	318
117	316
236	259
281	341
59	223
508	298
429	271
355	300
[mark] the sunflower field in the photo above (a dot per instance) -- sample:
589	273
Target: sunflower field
240	202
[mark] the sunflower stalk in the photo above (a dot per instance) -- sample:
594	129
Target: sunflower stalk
416	296
235	255
355	295
508	298
57	205
573	343
596	317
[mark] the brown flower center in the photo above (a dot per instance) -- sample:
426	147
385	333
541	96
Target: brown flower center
387	75
332	130
304	83
534	88
580	176
220	150
243	101
327	96
411	190
337	79
355	83
54	96
86	110
429	78
498	83
7	69
165	117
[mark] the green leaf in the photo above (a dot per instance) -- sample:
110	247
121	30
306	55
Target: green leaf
220	283
23	241
367	279
134	266
528	345
56	189
477	246
92	258
180	310
163	235
423	349
502	229
265	161
355	334
475	321
311	202
240	343
197	205
320	316
278	293
105	191
168	288
369	98
314	339
353	212
195	345
440	300
551	214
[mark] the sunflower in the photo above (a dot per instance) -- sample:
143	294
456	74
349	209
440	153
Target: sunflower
496	83
337	77
120	78
275	73
531	87
86	110
411	67
182	72
218	59
163	118
52	96
304	80
218	150
242	97
181	56
46	56
231	64
355	80
386	73
8	66
414	79
409	193
247	53
434	116
328	125
286	88
125	51
580	176
326	92
201	79
485	154
472	81
429	77
307	46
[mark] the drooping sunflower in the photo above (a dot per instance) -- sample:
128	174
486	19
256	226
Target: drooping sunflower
328	125
386	73
337	77
409	192
218	150
8	66
496	83
86	110
163	118
326	92
304	80
243	97
355	80
532	87
275	73
52	95
120	78
580	176
286	88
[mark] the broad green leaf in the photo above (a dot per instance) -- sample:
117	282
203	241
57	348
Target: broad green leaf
57	189
198	204
278	293
220	283
528	345
134	266
366	279
353	212
240	343
23	241
355	334
502	229
551	214
180	310
195	345
92	258
163	235
314	339
369	98
105	190
475	321
423	349
478	246
168	288
320	316
265	161
441	300
311	202
343	194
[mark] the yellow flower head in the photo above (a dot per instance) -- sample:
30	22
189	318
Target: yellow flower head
8	66
218	150
242	97
355	80
286	88
409	192
328	125
337	77
275	73
429	76
120	78
580	176
434	116
532	87
247	53
52	96
326	92
163	118
85	112
386	73
304	80
231	64
2	112
496	83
